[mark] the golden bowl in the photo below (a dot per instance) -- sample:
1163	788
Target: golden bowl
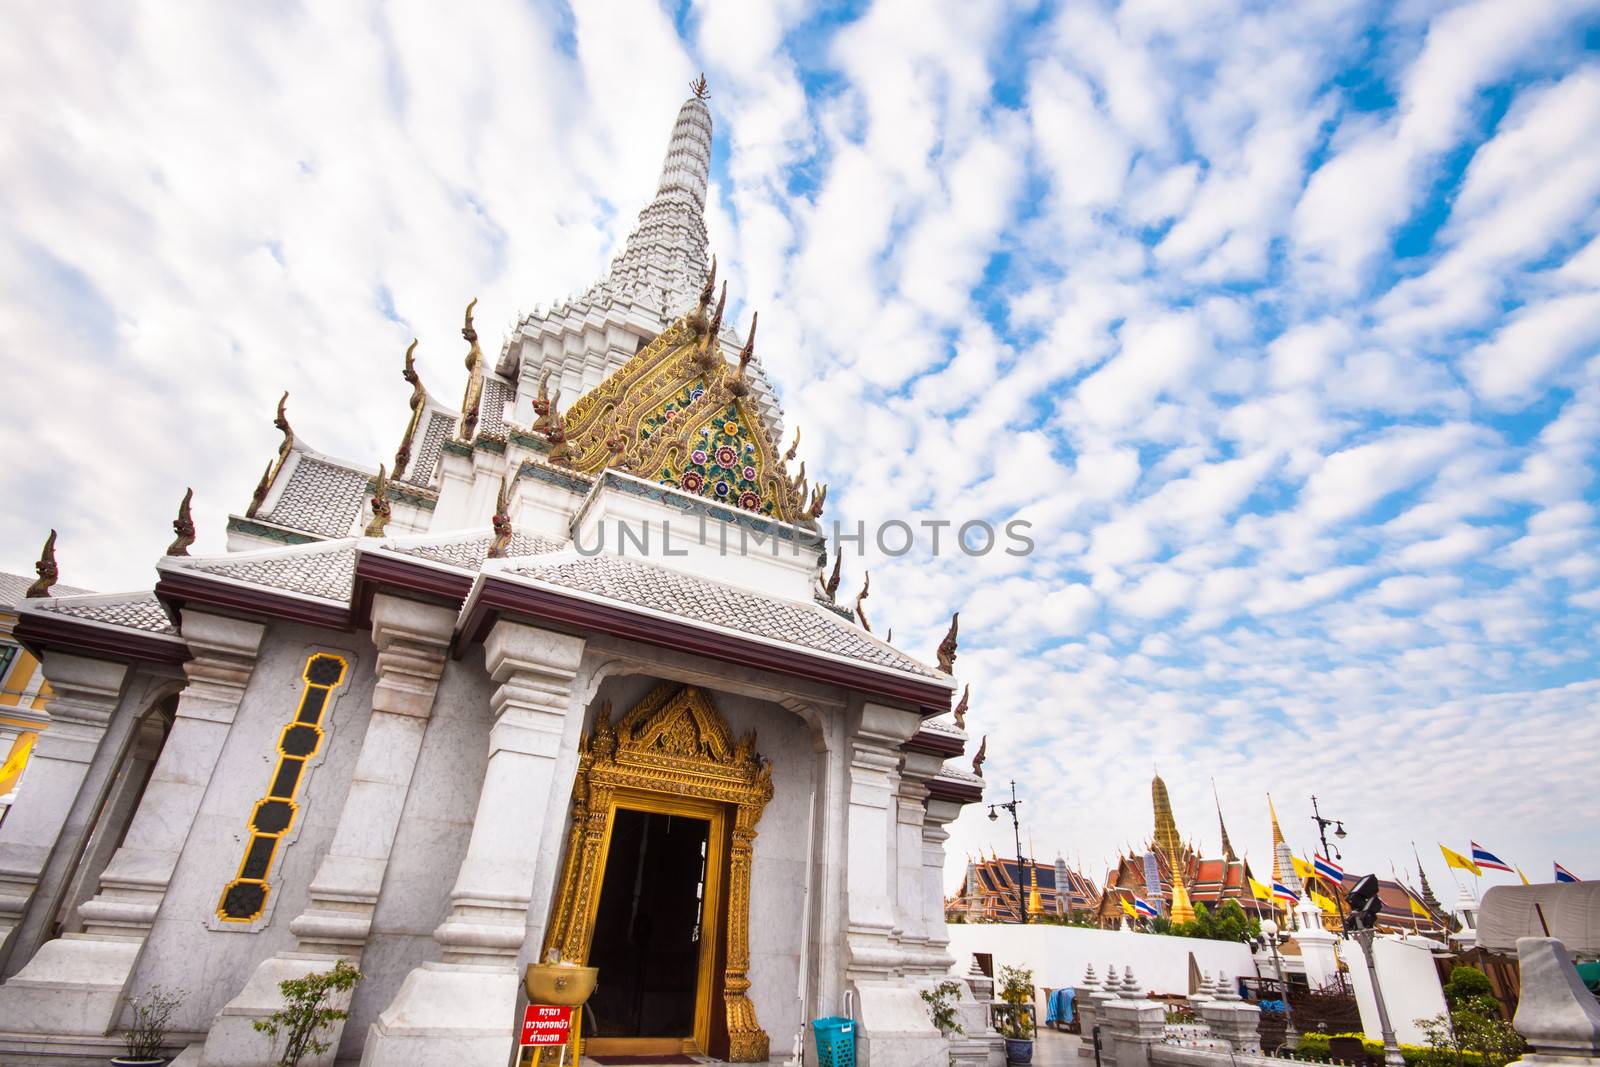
559	983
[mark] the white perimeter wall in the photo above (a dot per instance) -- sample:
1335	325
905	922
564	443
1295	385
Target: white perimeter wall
1059	954
1411	989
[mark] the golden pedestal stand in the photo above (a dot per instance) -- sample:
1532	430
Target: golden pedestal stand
562	985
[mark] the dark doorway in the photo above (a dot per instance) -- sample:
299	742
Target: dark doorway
647	931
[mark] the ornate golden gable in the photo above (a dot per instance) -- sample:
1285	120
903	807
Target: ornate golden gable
679	414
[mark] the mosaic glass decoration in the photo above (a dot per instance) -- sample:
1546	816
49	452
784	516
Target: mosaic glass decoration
722	464
245	898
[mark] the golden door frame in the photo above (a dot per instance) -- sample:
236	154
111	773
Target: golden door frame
672	753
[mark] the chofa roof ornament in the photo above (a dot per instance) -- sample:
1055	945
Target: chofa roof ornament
419	400
46	569
183	527
473	397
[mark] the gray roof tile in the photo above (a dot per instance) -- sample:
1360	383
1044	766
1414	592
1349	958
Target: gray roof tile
12	586
326	574
438	428
321	498
469	554
140	611
702	600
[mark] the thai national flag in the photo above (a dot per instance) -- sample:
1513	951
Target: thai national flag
1484	858
1564	875
1329	869
1283	892
1145	908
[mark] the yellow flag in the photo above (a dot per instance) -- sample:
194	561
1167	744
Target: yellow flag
1523	877
1417	908
1325	903
1305	870
16	760
1259	891
1460	862
1127	908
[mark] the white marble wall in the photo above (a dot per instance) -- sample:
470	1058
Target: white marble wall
186	949
434	830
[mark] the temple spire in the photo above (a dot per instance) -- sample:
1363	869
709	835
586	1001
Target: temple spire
663	264
1227	846
1166	835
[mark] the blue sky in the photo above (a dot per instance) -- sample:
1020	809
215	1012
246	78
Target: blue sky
1280	324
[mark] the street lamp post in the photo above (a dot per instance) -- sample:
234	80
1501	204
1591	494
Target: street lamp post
1391	1044
1339	834
1016	830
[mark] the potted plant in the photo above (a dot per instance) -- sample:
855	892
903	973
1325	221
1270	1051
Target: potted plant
306	1011
152	1018
1016	1016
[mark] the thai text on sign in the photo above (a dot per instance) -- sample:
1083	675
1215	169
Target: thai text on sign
546	1024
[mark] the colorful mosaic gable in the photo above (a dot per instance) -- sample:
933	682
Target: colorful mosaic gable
679	414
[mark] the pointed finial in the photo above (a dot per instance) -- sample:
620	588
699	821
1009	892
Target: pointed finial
380	505
748	352
888	638
473	397
947	647
183	526
281	420
788	457
981	757
501	521
866	588
260	494
961	708
716	316
46	569
698	86
819	495
833	579
419	399
707	291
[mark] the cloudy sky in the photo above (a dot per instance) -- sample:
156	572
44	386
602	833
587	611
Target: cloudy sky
1279	322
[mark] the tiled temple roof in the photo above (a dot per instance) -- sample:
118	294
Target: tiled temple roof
469	553
131	611
702	600
13	586
321	497
420	471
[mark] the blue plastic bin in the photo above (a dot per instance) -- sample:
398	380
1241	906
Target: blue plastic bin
836	1041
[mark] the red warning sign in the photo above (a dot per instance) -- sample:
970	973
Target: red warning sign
546	1024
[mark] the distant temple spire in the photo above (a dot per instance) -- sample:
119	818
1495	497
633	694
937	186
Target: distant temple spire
1227	846
1166	836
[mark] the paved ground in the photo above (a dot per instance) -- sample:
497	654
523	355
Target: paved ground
1052	1049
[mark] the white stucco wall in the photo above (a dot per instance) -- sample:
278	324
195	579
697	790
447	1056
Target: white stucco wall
1410	981
1059	954
184	950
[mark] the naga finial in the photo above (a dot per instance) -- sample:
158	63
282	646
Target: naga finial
788	457
818	496
501	545
260	494
46	568
698	87
275	466
833	579
866	588
544	404
380	505
947	647
419	400
961	708
183	526
740	385
982	756
716	316
707	291
473	397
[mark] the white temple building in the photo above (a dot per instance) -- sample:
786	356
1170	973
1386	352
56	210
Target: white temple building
565	677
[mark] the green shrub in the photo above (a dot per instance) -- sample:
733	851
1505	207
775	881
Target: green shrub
305	1012
1466	982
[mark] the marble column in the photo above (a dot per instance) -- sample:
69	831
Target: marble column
939	814
86	692
461	1009
895	1029
412	641
74	984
